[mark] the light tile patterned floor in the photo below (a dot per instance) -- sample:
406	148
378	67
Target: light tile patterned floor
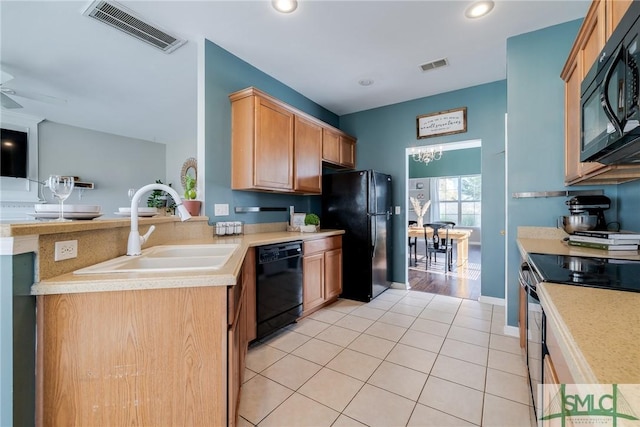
406	358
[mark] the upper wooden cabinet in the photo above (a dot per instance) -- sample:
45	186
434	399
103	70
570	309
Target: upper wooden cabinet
308	156
601	19
277	148
261	144
338	149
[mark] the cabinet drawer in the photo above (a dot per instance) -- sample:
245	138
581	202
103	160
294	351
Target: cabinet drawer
320	245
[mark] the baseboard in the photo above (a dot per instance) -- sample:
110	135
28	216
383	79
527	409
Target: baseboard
397	285
512	331
491	300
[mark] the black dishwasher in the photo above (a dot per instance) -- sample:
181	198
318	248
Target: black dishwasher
278	286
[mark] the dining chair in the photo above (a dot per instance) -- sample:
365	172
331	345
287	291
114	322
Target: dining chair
413	243
439	242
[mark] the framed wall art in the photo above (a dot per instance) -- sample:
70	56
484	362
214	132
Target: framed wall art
441	123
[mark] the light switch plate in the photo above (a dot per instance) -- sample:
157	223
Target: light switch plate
398	210
221	209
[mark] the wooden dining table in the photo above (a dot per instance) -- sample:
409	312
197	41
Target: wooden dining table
459	235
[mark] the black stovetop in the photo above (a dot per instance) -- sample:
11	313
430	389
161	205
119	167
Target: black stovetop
610	273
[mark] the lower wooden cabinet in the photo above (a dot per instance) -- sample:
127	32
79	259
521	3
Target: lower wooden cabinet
135	357
242	330
321	272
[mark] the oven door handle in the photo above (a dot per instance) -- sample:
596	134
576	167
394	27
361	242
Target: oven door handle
523	280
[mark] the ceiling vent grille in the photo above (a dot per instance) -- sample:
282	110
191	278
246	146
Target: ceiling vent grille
125	20
434	64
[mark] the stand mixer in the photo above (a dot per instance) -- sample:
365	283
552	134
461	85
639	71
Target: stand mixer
591	205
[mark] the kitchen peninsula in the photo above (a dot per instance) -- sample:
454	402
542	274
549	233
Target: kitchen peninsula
141	348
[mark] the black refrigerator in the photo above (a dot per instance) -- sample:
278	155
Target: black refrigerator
360	203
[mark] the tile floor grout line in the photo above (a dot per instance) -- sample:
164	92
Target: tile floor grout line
396	342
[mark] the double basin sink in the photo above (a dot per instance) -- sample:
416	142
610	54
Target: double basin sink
167	258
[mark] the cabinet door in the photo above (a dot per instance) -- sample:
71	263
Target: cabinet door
330	146
313	281
572	167
249	280
273	161
333	273
615	11
522	316
308	156
234	373
347	151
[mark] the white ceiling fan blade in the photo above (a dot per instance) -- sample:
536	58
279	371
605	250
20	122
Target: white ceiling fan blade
38	97
5	77
8	102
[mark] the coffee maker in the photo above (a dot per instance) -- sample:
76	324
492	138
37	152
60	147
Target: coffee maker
592	205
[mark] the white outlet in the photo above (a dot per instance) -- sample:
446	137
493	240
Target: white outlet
220	209
66	250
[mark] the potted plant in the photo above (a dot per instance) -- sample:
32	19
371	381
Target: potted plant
190	194
158	199
311	223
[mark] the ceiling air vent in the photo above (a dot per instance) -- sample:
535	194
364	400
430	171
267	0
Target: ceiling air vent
434	64
125	20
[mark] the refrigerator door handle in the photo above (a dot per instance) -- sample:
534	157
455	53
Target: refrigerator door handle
374	234
375	193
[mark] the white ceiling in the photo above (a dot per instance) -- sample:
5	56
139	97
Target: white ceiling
117	84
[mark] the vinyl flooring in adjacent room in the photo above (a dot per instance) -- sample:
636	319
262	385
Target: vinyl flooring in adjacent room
406	358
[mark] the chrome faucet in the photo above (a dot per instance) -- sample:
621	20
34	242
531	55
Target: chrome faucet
134	245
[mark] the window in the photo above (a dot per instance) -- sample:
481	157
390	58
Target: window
460	199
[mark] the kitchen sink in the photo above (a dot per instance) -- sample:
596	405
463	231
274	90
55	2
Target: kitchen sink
167	258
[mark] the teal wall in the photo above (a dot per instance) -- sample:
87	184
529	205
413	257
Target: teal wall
17	341
453	163
224	74
385	133
535	149
629	205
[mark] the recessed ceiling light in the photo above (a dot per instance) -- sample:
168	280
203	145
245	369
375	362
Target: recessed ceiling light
285	6
479	9
365	82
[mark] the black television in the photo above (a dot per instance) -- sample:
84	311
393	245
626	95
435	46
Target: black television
14	153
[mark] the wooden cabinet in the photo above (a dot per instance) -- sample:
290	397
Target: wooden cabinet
242	330
347	151
308	156
321	272
143	357
523	307
601	19
338	149
262	135
277	148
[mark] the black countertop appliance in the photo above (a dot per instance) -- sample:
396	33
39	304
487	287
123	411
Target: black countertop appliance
592	205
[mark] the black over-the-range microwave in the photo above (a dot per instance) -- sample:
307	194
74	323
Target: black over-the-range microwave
609	98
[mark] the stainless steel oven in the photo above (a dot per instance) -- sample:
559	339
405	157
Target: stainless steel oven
529	279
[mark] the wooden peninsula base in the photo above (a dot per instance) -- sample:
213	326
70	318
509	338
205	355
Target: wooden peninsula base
144	357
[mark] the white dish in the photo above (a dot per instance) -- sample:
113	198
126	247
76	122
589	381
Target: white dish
55	207
67	215
140	214
140	210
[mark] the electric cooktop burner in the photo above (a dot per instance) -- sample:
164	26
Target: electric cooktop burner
611	273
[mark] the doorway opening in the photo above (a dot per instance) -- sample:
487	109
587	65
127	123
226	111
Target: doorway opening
451	189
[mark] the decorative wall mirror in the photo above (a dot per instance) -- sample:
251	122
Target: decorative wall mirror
189	168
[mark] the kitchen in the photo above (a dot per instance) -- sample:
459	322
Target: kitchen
527	170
